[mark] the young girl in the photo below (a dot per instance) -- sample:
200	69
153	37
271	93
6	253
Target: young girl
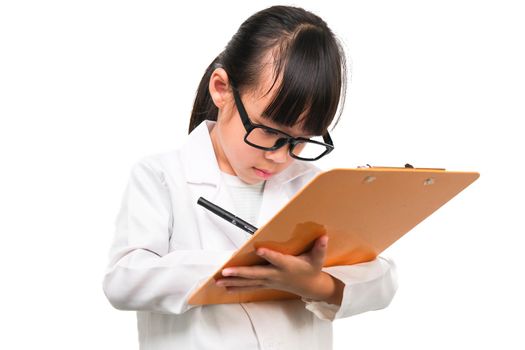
260	118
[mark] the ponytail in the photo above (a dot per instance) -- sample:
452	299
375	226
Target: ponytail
203	107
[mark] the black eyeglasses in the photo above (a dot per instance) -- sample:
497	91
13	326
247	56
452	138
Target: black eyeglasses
270	139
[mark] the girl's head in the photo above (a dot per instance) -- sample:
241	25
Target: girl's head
288	72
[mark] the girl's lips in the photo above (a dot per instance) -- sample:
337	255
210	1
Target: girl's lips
263	173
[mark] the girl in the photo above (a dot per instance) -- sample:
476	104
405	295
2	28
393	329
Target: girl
261	115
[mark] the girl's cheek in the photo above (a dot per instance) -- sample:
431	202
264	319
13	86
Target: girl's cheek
242	156
247	152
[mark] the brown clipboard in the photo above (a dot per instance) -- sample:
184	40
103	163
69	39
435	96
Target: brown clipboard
363	211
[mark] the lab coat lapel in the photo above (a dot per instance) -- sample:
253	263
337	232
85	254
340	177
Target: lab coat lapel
198	158
203	175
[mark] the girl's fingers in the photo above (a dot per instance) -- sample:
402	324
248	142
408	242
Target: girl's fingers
239	282
275	258
318	252
251	272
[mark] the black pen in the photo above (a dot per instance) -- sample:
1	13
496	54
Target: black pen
226	215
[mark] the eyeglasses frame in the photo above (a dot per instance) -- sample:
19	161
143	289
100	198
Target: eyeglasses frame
290	140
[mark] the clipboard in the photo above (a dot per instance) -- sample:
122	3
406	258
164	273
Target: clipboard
363	211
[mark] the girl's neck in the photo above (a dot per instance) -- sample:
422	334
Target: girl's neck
222	161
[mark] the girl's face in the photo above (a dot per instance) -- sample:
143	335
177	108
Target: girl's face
234	156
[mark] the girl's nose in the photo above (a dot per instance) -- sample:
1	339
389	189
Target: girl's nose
280	155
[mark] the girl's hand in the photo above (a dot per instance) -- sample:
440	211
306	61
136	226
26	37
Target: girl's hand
300	275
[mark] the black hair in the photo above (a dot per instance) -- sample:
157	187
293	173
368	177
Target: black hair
308	59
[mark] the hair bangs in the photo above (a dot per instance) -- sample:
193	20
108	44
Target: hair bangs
312	81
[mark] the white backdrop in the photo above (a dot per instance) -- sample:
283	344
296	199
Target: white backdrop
88	88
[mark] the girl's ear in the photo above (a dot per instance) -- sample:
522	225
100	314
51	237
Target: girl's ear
219	87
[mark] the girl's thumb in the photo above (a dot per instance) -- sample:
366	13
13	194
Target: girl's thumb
319	250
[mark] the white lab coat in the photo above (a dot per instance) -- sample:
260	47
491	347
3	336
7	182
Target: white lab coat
166	245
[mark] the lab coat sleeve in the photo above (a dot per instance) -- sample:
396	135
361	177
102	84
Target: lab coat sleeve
142	273
367	286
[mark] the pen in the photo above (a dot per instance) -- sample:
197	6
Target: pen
226	215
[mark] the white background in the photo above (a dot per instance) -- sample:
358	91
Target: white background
88	88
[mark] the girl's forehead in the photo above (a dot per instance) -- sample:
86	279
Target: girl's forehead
260	102
263	94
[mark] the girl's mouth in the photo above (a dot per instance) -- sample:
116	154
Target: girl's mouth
263	173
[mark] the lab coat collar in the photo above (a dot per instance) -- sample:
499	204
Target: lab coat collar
200	163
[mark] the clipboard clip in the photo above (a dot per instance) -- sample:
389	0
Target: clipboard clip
407	166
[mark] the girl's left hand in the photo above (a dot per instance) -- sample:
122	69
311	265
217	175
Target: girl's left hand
300	274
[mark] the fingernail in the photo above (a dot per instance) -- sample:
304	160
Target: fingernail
226	272
260	252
